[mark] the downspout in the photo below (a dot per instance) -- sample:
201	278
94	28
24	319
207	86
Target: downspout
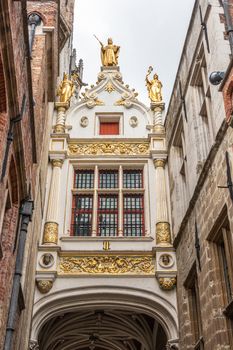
229	25
25	217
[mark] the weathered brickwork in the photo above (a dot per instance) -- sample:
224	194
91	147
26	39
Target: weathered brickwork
197	167
34	80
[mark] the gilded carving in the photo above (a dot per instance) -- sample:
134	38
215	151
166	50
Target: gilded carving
66	89
92	99
44	286
57	163
167	283
154	87
109	87
107	265
163	234
126	99
59	129
118	148
50	233
159	163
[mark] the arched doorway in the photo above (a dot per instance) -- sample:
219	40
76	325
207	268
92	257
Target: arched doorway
102	329
95	318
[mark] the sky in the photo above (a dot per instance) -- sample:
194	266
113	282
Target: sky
149	32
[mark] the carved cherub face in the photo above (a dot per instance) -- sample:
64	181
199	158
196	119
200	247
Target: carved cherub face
110	41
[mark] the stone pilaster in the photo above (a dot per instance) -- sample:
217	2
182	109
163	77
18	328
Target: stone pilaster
163	235
61	117
51	226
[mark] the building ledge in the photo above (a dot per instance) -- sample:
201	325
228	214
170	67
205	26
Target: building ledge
110	239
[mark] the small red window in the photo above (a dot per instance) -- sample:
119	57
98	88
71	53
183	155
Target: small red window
107	128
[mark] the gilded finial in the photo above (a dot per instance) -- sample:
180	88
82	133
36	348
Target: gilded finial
154	87
65	89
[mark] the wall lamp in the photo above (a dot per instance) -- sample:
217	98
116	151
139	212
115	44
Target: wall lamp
216	77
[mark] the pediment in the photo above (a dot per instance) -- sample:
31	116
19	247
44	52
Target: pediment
110	90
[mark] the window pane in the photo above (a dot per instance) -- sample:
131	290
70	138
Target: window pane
133	215
108	179
84	179
108	215
82	215
132	178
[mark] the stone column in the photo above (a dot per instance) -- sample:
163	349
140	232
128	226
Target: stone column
61	117
51	225
163	235
157	109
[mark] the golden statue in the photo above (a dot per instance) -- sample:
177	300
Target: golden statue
109	53
66	89
154	87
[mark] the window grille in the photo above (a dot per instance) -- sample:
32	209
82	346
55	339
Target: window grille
108	215
133	215
84	179
82	215
108	179
132	179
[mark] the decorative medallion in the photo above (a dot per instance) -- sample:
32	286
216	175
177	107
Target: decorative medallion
167	283
118	148
50	233
84	122
46	260
130	265
109	87
166	261
133	122
163	234
44	286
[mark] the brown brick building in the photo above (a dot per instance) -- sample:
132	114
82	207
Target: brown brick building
200	171
33	37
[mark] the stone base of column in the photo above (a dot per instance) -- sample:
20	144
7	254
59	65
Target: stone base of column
50	233
163	234
159	128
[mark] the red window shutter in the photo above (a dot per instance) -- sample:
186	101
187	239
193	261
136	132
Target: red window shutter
109	128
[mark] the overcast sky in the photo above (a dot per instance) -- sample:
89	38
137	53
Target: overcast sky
149	32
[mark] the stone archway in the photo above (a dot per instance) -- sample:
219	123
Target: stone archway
104	318
102	329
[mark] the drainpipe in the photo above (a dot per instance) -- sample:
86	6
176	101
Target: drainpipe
25	216
229	25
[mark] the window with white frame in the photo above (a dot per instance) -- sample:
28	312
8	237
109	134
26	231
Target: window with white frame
108	202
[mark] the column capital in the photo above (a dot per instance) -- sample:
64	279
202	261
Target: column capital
57	162
159	163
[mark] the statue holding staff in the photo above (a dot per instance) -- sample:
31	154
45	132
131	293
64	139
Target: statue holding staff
109	53
154	87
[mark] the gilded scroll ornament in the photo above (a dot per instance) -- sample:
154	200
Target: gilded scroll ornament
109	87
163	234
167	283
44	286
118	148
127	99
107	265
50	233
92	99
